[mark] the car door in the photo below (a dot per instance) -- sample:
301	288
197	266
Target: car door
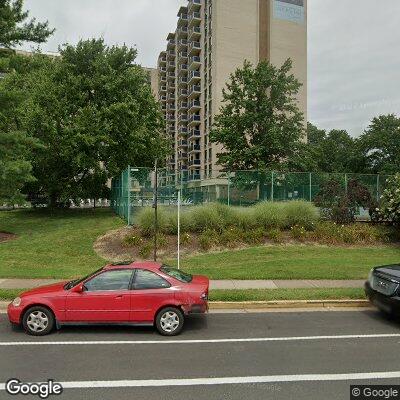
150	292
105	298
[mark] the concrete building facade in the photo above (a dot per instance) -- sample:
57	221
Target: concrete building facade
212	39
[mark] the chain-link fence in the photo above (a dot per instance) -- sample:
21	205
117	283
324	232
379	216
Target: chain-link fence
135	188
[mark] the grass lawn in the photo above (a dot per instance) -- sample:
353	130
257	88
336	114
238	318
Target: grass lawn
56	244
254	295
292	262
286	294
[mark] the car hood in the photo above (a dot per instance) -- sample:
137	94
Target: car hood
48	289
391	270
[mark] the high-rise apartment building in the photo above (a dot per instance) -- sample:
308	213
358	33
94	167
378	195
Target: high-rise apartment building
212	39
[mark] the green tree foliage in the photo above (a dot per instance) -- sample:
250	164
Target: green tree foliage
380	145
259	124
15	28
92	109
15	144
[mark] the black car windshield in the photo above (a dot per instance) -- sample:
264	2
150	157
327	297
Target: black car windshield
72	284
176	273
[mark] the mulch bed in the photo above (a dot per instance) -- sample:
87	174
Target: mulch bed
6	236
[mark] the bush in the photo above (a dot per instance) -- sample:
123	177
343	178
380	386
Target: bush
270	215
298	233
186	239
302	213
145	250
245	218
231	237
390	200
275	235
206	217
208	239
145	221
132	240
186	221
254	236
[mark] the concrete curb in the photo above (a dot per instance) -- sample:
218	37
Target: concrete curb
283	304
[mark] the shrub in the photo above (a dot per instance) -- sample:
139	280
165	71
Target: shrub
145	250
186	239
270	215
206	217
208	239
390	200
161	240
245	218
145	221
186	221
132	240
231	237
254	236
275	235
298	233
302	213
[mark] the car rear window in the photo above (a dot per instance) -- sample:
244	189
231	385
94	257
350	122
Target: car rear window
176	273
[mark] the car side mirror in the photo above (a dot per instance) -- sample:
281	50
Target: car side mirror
79	288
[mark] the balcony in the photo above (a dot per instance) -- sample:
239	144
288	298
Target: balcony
194	134
162	59
194	33
163	89
194	105
183	118
194	77
182	93
183	80
182	32
171	44
182	156
194	48
194	19
171	107
170	117
194	63
171	97
183	130
163	69
194	91
163	99
170	66
183	20
194	163
171	76
182	143
171	54
183	69
183	55
182	43
183	105
194	5
194	120
194	148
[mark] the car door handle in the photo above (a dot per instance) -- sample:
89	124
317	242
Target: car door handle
119	297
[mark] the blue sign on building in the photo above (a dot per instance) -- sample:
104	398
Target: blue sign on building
290	10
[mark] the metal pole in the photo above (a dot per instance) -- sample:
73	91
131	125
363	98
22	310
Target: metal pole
155	210
272	186
310	186
179	229
129	195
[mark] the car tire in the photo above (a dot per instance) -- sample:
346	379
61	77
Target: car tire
38	321
169	321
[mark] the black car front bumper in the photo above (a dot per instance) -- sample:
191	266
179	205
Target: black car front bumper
389	305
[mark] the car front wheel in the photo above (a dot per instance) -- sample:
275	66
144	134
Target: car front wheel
38	321
169	321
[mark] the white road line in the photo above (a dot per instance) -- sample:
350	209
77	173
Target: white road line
198	341
228	380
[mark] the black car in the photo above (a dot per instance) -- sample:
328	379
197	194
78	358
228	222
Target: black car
383	288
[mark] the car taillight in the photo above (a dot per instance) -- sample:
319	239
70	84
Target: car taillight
204	296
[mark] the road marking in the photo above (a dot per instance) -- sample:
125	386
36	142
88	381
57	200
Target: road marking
198	341
228	380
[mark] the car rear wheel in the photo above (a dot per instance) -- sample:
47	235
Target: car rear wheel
38	321
169	321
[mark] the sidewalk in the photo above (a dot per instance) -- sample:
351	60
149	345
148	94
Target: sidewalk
223	284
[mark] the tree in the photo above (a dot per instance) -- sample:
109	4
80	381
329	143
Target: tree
16	29
93	111
259	124
380	145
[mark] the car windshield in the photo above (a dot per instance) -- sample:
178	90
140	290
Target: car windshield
75	282
177	274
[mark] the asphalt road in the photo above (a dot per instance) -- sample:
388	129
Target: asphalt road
300	355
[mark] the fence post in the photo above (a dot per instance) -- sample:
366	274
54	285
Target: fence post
129	194
378	188
310	186
272	186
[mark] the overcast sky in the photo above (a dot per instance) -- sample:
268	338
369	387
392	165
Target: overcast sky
353	48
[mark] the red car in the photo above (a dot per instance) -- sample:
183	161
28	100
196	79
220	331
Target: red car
133	293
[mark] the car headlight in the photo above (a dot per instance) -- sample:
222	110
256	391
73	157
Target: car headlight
16	302
371	276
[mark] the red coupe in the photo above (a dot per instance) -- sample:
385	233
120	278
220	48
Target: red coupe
133	293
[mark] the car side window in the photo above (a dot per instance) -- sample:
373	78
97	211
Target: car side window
149	280
110	280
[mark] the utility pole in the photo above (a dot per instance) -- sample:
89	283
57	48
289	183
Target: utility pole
155	205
